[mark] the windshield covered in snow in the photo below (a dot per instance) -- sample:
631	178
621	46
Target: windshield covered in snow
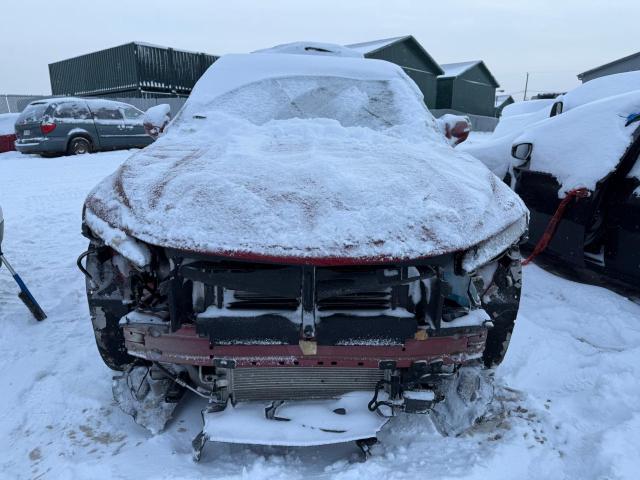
373	104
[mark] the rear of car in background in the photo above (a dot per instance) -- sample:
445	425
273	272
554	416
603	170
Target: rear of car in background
7	132
76	126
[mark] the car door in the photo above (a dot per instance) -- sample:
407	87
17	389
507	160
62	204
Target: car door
74	118
134	127
109	123
622	224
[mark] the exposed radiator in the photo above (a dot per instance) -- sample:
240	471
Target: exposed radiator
299	383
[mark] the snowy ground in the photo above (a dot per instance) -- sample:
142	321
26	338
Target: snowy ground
569	386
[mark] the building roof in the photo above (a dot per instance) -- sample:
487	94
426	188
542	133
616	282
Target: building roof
501	99
457	69
375	45
623	59
452	70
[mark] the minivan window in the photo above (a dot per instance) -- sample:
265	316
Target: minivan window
132	113
72	110
33	113
104	113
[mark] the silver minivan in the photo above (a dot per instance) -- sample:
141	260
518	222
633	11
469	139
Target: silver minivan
76	125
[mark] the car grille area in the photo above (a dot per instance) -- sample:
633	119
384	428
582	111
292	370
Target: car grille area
241	303
300	383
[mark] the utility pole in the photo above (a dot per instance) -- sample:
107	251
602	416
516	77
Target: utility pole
526	85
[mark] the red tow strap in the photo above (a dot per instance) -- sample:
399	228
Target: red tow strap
553	223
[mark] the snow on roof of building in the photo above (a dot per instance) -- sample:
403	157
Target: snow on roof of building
456	69
452	70
372	46
500	99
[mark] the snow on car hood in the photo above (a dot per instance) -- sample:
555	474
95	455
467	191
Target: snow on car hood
226	180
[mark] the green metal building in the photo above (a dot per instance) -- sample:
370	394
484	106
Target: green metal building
131	70
467	87
411	56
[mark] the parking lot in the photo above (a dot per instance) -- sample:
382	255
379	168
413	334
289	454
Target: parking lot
566	399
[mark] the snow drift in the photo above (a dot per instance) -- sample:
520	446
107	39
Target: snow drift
310	157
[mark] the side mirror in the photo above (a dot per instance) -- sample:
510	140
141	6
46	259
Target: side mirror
522	151
556	109
156	120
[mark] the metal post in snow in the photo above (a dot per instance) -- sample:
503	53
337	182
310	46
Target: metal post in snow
526	85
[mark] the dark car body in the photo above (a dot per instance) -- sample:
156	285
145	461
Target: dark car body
52	126
598	234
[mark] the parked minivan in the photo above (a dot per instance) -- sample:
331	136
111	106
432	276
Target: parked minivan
76	125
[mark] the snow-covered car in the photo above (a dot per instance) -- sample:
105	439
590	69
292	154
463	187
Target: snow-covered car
303	232
579	174
495	151
7	131
77	126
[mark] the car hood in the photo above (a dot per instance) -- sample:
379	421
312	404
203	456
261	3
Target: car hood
306	189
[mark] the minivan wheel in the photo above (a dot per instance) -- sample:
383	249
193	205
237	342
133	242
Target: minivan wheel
79	146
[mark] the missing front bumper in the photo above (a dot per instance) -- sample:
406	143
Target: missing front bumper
292	424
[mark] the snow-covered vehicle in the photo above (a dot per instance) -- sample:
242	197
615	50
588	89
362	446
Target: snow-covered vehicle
303	232
579	174
76	126
7	131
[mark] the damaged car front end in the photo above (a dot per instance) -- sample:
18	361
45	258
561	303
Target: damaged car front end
237	331
278	273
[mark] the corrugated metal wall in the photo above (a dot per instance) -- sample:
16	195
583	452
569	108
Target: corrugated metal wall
471	92
132	70
110	70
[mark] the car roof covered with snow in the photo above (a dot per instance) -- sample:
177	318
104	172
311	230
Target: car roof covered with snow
598	88
580	146
309	157
602	135
313	48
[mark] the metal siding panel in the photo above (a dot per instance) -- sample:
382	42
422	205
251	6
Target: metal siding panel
128	68
426	83
629	65
414	64
94	73
473	97
445	93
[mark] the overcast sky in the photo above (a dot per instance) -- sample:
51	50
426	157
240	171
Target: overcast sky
553	40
